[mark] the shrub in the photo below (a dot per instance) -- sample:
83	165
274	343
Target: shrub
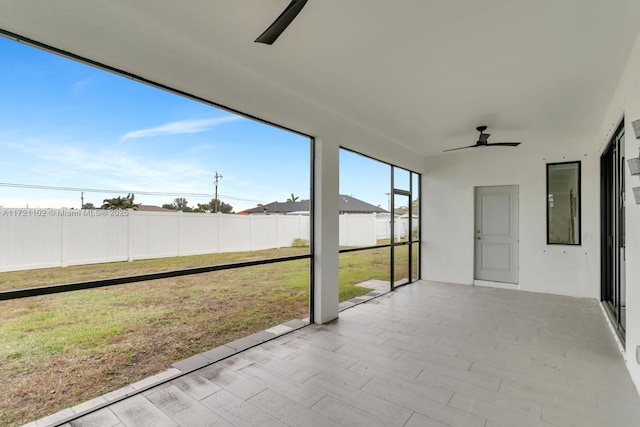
300	243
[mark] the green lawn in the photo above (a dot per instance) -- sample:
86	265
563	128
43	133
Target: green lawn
78	273
60	350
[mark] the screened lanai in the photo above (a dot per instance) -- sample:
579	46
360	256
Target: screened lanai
400	84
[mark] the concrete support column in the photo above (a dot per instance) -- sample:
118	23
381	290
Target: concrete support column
325	231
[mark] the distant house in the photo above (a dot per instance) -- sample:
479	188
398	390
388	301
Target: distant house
152	208
347	204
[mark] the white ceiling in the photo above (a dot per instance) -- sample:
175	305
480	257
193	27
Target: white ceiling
421	74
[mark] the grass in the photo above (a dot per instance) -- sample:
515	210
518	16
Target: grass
51	276
60	350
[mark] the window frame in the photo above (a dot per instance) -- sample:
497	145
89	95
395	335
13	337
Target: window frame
412	242
578	236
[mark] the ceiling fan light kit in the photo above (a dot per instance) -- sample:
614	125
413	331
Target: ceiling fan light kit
482	141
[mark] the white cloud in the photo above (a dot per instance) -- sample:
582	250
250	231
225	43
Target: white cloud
59	163
179	127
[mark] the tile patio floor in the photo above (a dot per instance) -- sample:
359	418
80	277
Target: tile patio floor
429	354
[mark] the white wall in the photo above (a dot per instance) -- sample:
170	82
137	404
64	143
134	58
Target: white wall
448	211
626	102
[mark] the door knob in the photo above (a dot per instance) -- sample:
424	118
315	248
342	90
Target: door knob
478	231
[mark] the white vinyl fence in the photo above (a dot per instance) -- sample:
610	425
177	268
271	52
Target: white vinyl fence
383	226
41	238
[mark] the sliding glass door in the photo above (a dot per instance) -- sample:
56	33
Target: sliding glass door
613	290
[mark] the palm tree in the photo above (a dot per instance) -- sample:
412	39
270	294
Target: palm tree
293	198
120	202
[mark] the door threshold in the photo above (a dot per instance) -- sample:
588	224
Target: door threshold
501	285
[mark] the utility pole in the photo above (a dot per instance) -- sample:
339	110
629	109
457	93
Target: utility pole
216	203
82	200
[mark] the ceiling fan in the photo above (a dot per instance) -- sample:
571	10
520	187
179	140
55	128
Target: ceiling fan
482	141
272	33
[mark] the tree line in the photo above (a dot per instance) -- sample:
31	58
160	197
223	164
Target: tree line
178	204
215	205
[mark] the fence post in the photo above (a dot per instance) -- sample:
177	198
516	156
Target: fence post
130	235
347	234
217	234
179	233
251	231
375	228
277	232
63	244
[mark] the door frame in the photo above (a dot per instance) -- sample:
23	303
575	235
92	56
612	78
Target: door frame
515	224
612	230
400	245
410	192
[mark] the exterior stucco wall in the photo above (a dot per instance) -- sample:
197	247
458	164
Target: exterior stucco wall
448	210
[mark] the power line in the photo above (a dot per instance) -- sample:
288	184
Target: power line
98	190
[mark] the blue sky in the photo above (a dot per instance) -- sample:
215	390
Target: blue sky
65	124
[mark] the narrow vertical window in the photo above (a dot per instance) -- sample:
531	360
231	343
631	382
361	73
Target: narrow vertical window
563	203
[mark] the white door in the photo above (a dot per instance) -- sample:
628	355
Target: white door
496	233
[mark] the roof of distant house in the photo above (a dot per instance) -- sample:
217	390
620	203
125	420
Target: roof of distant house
152	208
346	204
